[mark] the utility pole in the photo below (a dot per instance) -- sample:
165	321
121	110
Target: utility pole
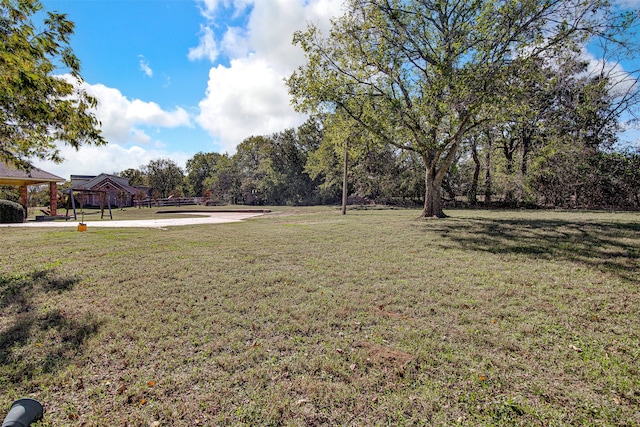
344	179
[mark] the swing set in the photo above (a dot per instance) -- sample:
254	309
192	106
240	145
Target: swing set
84	196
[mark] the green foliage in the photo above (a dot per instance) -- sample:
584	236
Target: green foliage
541	141
39	195
417	75
11	212
252	160
288	162
199	168
589	179
164	177
8	192
225	182
135	177
271	170
38	105
560	172
377	173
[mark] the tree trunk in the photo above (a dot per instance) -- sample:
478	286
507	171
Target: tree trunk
509	149
508	155
472	196
487	177
436	168
526	148
345	191
432	197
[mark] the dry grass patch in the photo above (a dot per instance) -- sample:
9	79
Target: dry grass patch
312	318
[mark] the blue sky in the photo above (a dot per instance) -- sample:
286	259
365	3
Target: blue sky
175	77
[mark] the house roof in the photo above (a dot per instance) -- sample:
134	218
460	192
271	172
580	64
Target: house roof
97	181
10	175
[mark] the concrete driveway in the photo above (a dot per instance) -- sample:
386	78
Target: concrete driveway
202	218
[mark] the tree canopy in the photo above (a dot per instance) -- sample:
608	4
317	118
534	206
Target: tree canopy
40	106
543	155
418	74
164	177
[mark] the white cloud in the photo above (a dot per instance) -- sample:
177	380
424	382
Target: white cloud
207	48
270	29
112	158
125	125
622	83
123	119
210	7
249	97
235	42
144	66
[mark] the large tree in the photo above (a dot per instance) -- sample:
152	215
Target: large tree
164	177
252	162
200	167
224	184
288	159
417	73
38	105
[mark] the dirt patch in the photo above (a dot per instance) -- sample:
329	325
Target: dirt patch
385	355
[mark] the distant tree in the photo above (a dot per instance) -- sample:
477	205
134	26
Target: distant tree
576	126
309	138
585	177
135	177
632	177
139	197
292	185
324	166
377	172
550	111
37	107
200	167
38	196
164	177
10	193
310	134
252	162
224	185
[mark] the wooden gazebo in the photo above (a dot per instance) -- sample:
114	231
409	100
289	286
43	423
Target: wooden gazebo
12	176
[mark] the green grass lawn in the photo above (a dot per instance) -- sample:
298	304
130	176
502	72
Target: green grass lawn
306	317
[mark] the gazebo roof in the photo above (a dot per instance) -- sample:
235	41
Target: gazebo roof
10	175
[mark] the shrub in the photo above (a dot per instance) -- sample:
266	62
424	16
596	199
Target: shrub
11	212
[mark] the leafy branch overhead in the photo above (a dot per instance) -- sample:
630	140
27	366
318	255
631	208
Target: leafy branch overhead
41	99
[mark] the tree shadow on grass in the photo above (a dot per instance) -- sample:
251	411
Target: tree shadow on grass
34	340
613	247
17	292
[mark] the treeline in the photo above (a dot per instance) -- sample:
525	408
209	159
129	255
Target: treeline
304	166
549	138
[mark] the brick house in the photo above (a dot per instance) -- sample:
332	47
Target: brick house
118	191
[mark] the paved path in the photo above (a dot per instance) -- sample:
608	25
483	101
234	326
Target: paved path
202	218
